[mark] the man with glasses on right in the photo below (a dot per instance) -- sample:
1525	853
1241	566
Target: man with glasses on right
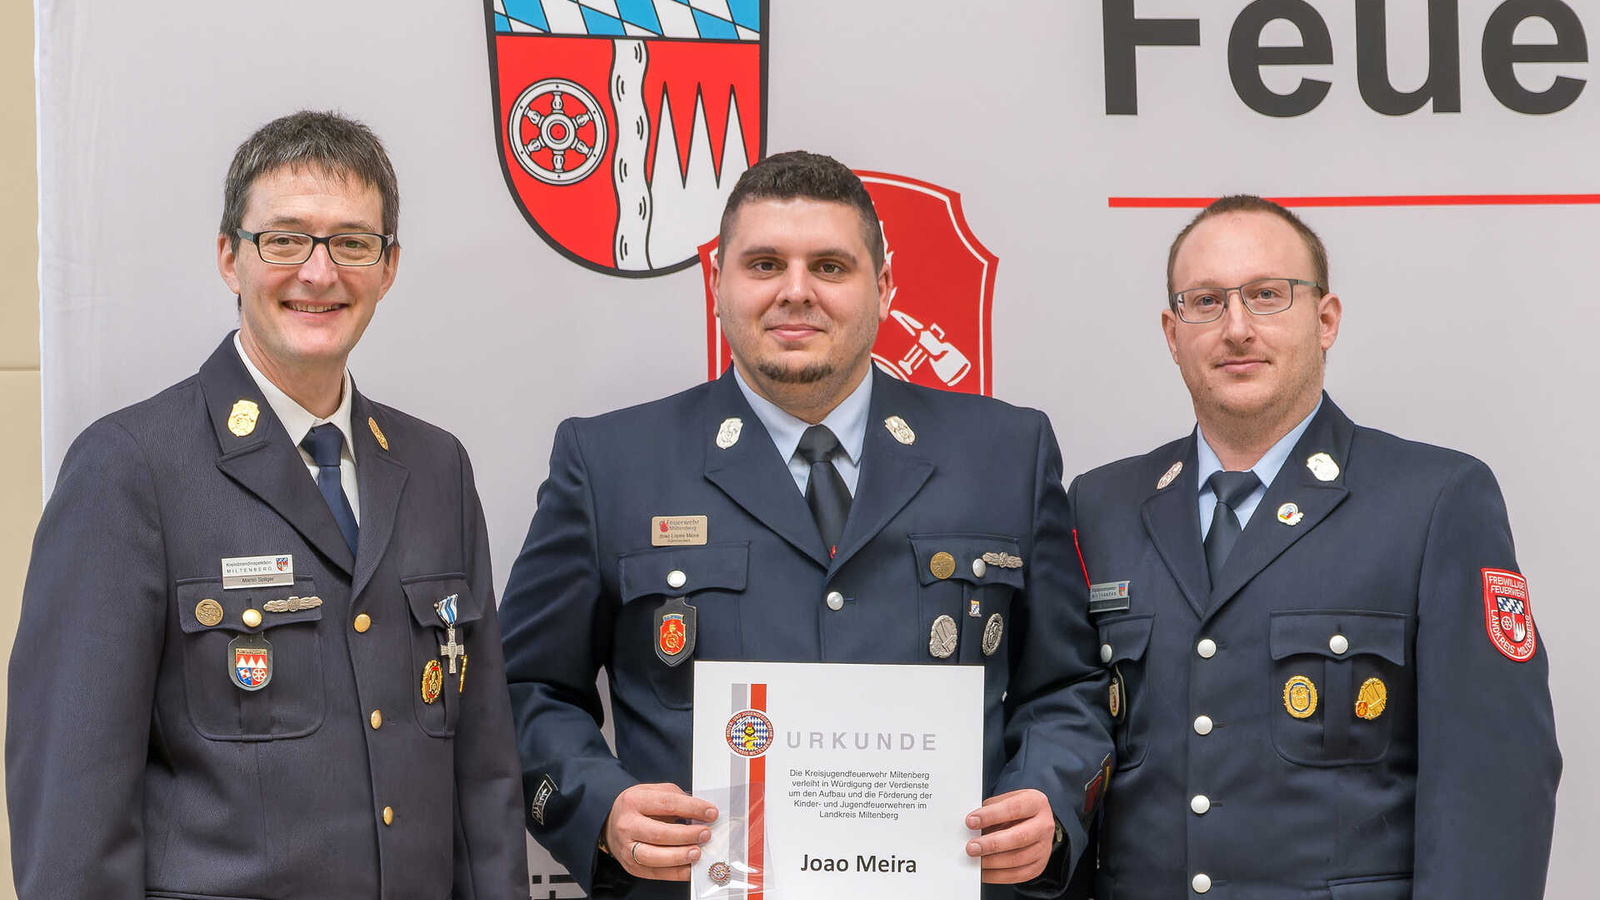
1326	677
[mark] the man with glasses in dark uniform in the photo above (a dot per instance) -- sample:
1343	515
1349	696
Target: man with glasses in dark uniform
242	667
1325	672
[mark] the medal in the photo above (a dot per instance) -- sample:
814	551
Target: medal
942	637
1372	699
1300	697
991	634
446	609
432	681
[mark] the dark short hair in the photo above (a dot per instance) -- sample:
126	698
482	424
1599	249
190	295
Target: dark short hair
309	139
812	176
1250	203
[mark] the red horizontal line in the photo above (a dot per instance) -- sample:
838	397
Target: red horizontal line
1376	200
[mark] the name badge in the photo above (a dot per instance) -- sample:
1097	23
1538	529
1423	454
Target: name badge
677	531
272	570
1108	596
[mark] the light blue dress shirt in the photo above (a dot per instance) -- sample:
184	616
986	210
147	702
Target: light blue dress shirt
848	422
1266	469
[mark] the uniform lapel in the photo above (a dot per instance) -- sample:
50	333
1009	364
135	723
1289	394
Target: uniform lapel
263	462
1266	537
751	473
891	472
381	477
1172	521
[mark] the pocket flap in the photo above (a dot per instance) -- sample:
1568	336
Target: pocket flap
1340	634
424	591
1381	888
203	605
953	556
1127	636
676	571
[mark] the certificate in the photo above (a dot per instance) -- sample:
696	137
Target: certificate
837	781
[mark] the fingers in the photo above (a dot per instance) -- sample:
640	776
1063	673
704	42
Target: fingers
647	832
1018	836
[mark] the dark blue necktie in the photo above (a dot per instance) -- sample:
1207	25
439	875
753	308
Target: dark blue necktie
826	493
1231	489
324	443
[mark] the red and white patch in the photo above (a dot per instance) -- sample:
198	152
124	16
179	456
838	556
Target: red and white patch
1508	614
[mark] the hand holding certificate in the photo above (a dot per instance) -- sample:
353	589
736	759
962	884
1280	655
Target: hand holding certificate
844	781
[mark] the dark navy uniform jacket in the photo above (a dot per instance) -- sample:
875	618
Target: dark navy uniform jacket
136	768
1334	719
979	477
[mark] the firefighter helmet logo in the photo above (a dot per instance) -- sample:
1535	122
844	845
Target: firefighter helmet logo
623	125
937	333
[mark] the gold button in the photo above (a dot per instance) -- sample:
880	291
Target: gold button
363	622
377	718
388	815
252	618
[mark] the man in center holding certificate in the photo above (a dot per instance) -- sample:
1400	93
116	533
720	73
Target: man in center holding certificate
804	507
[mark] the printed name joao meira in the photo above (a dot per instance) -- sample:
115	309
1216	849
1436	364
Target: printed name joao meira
871	863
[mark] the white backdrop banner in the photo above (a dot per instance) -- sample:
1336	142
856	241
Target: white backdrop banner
561	162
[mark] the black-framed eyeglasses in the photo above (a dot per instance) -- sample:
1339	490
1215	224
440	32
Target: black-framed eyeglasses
1265	297
291	248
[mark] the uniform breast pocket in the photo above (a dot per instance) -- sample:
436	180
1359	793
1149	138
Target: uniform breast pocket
678	604
252	659
1340	681
436	601
1124	641
967	584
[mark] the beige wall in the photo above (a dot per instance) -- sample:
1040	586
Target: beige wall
19	334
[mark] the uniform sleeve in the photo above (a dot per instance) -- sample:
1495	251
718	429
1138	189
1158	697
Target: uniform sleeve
83	675
491	858
1487	764
558	623
1058	732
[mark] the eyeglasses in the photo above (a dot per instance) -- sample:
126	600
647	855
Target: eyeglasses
1266	297
291	248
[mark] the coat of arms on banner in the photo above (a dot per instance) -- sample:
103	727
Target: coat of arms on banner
937	333
623	124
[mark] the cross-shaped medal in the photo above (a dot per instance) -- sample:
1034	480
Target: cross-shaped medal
451	650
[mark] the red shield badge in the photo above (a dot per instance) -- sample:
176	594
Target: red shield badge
1508	615
623	124
937	333
672	634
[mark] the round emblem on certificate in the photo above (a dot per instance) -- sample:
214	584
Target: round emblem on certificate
432	681
942	637
720	873
749	733
1372	699
992	630
942	565
1300	697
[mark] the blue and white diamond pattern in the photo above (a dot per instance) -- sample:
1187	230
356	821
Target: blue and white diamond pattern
710	20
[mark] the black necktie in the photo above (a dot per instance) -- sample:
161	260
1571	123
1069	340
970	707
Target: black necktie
826	493
324	443
1231	489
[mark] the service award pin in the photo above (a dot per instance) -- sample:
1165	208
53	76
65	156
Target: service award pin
208	612
728	434
901	431
942	637
1372	699
1300	697
242	419
377	432
942	565
1322	467
992	630
1170	475
432	681
1290	514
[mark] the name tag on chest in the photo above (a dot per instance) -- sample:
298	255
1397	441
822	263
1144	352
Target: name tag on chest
1108	596
272	570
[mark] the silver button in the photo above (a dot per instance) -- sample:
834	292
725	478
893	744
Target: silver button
979	567
1201	883
1105	653
1202	725
835	600
1201	804
1207	648
1338	644
676	579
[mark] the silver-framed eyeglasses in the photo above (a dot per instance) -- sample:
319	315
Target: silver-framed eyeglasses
1265	297
291	248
